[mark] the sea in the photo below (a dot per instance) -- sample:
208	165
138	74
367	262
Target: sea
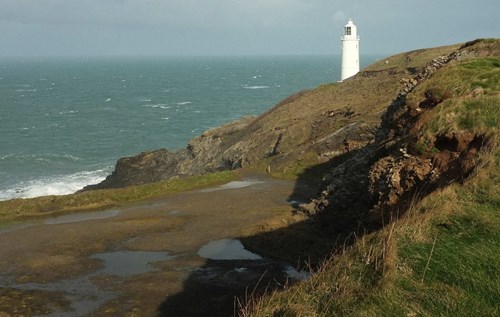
64	122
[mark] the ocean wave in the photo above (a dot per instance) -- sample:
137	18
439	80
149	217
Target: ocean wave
46	158
157	105
256	87
55	185
184	103
61	113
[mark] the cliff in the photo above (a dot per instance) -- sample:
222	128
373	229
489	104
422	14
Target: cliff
418	148
407	225
307	128
405	221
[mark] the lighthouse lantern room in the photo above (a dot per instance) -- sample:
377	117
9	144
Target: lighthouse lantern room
350	51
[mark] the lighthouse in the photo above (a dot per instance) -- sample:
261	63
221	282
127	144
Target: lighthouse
350	51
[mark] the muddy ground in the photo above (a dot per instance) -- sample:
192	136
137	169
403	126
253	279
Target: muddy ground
142	260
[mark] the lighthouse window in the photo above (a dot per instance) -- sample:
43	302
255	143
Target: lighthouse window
348	30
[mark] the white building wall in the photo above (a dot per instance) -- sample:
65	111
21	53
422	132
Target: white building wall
350	51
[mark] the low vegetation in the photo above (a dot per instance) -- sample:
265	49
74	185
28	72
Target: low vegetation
442	258
18	209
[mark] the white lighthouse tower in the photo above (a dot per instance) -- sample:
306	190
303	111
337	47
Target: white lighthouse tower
350	51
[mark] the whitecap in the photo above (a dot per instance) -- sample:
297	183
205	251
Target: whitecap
54	185
157	105
109	99
108	108
184	103
256	87
49	158
68	112
71	157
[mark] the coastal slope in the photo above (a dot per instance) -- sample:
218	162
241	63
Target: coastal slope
391	202
411	219
305	129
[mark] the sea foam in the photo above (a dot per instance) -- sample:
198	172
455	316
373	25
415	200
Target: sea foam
256	87
54	185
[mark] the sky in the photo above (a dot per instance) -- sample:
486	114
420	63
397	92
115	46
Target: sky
237	27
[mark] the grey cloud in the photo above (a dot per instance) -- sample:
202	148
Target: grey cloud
81	27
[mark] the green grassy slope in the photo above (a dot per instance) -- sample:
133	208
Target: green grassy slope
442	258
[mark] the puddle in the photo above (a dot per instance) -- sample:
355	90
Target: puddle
78	217
227	249
127	263
84	295
291	272
233	185
13	227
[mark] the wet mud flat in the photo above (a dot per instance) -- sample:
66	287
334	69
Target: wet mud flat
174	256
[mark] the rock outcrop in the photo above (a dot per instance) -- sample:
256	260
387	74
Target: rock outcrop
313	127
384	178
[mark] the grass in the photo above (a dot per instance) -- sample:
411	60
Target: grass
443	257
461	110
444	260
411	59
460	79
19	209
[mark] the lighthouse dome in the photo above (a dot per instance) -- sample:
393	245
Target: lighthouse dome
350	30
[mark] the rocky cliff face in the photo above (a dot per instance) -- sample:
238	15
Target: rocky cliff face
313	127
409	157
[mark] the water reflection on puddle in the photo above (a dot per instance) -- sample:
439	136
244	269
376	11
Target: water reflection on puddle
85	296
226	249
291	272
127	263
14	227
78	217
233	185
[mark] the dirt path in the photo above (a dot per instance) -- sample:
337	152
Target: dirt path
142	259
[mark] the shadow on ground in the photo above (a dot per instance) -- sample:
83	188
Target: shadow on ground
216	288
